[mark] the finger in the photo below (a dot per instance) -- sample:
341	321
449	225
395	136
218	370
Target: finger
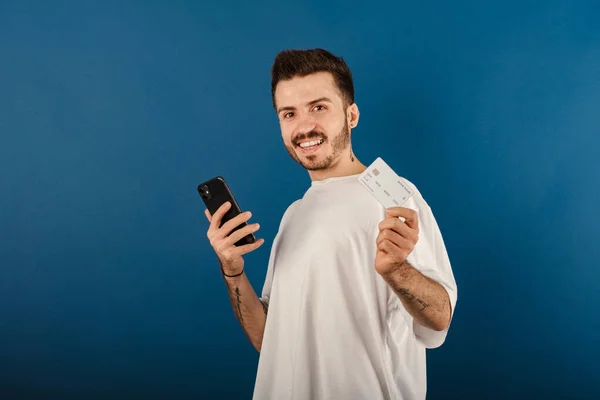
233	223
396	253
247	248
410	216
240	233
238	251
395	238
207	214
215	222
398	226
386	246
386	234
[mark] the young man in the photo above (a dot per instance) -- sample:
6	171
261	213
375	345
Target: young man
354	295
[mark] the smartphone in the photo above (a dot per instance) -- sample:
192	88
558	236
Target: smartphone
214	193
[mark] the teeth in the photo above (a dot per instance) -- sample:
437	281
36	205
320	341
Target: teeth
305	145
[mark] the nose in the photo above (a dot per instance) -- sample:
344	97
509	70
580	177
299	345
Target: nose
305	125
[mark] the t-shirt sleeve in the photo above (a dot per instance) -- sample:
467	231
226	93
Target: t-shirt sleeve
430	257
266	290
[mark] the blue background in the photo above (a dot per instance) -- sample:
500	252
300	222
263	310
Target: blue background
111	113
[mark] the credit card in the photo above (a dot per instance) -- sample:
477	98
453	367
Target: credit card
389	189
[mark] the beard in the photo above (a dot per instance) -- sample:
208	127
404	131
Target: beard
340	142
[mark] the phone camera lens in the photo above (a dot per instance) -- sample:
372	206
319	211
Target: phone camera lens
204	192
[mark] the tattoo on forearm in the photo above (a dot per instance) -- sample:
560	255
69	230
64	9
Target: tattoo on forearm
408	294
238	304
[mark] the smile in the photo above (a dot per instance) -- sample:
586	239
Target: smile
310	145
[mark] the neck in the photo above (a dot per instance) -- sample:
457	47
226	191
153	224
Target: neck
344	166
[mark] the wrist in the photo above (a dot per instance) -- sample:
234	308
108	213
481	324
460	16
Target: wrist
399	271
234	274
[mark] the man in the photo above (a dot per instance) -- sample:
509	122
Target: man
354	293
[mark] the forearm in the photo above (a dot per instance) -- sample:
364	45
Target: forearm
425	300
247	307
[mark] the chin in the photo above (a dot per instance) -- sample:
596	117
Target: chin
318	162
318	159
312	158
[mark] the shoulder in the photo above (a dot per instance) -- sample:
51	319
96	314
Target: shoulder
417	200
289	211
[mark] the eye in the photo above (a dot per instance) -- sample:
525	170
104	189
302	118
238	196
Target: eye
288	115
320	107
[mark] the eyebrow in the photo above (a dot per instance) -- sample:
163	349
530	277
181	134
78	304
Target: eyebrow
310	103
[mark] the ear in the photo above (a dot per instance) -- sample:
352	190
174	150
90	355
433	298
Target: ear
352	115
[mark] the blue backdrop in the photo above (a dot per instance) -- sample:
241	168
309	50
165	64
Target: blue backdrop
111	113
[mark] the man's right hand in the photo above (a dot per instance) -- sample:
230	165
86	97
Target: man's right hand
228	253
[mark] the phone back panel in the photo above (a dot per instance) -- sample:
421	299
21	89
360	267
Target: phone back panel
214	193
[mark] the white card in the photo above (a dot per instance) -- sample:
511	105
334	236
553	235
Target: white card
389	189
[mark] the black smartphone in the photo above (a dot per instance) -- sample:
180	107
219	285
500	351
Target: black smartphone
214	193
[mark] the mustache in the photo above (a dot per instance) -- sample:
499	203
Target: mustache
310	135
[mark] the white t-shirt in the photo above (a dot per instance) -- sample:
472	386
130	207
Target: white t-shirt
335	329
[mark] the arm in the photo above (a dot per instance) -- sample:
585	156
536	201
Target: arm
250	311
248	308
425	300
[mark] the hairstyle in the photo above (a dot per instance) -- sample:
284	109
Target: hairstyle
292	63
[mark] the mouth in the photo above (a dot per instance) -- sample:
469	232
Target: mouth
310	146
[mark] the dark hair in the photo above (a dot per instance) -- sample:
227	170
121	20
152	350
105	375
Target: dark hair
291	63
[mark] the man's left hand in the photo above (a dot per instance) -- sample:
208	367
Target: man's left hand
396	239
